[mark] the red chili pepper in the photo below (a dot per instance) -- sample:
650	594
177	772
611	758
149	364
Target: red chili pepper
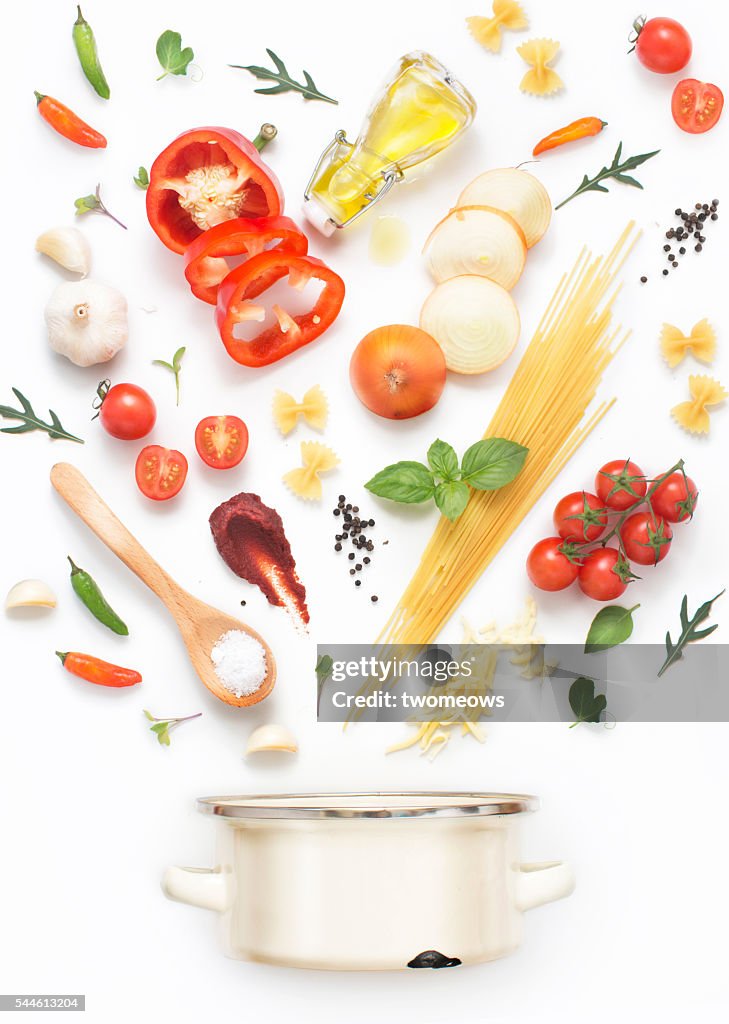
580	129
292	331
205	177
68	124
94	670
205	263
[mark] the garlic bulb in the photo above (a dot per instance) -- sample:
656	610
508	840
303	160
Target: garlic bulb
30	594
66	246
271	737
87	321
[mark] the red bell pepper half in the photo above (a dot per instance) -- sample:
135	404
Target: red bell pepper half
205	177
291	331
205	263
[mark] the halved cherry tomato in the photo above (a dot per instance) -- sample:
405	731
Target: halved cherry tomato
646	538
676	498
205	263
602	575
160	472
548	567
620	484
696	106
221	441
205	177
580	517
291	332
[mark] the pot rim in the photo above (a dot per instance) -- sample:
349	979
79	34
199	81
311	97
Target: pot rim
384	804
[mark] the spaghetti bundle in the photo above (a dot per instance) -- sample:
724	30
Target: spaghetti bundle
545	408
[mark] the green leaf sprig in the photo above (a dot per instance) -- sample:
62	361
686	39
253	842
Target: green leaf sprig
486	466
31	421
174	60
585	703
94	204
163	726
689	633
174	367
616	170
323	670
611	626
284	82
141	178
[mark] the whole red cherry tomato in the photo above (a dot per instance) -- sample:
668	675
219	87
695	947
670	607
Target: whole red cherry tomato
599	577
127	411
663	45
620	484
676	498
646	538
548	567
580	517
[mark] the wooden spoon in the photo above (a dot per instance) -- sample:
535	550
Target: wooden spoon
200	625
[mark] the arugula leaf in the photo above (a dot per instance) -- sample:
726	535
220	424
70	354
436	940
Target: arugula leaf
31	421
173	59
406	482
616	170
451	497
586	704
284	81
689	633
141	178
610	627
490	464
443	460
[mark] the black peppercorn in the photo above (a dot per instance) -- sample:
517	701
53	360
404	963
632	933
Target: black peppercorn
698	248
665	272
682	251
337	546
358	583
350	556
337	512
374	599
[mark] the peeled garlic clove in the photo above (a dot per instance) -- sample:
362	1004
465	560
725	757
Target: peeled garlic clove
68	247
87	321
30	594
271	737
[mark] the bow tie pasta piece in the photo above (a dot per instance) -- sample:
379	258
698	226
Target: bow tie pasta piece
701	343
487	31
540	80
693	415
313	407
305	482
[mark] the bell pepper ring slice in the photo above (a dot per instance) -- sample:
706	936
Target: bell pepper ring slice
205	177
291	330
205	259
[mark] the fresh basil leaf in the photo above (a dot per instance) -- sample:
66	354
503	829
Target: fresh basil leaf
407	482
610	627
173	59
492	463
451	497
443	460
586	704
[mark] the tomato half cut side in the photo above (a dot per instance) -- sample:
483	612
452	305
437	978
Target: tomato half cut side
160	472
290	331
205	260
205	177
696	106
221	441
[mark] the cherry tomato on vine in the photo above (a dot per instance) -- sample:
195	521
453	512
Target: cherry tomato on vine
580	517
160	472
127	411
598	577
675	498
548	567
620	484
221	441
696	106
646	538
663	45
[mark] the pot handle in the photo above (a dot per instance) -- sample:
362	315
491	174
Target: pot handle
542	883
198	887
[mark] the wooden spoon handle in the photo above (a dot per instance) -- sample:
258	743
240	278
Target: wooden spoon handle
78	493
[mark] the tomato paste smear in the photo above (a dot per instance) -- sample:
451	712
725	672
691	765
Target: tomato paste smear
251	541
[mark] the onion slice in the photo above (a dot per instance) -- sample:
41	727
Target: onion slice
517	193
475	321
477	240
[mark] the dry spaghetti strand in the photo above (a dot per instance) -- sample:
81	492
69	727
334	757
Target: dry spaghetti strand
545	407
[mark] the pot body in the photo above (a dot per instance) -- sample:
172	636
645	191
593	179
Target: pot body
370	893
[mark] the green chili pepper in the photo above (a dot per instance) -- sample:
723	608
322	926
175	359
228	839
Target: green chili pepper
88	590
85	43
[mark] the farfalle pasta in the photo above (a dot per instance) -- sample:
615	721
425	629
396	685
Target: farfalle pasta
313	407
506	14
700	343
304	481
540	80
694	414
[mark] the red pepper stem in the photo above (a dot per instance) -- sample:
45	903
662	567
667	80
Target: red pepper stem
39	96
62	655
267	133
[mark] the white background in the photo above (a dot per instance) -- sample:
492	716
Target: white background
93	809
